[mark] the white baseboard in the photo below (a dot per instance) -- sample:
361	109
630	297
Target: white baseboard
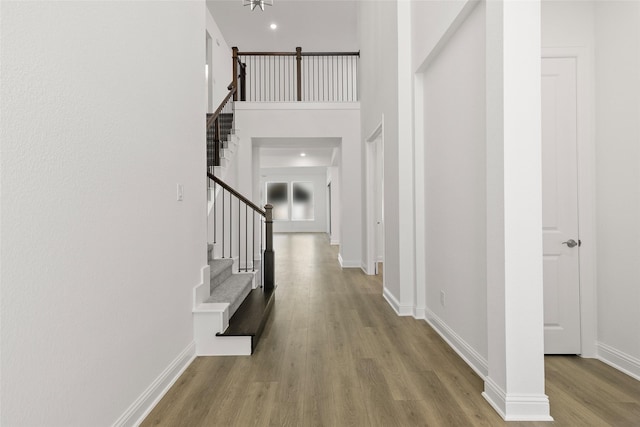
348	264
516	407
138	411
363	267
401	310
474	359
391	300
335	242
619	360
420	313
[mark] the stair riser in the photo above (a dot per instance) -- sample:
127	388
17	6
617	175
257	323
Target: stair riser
223	346
217	279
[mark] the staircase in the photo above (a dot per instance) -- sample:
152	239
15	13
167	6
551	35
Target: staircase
233	302
230	321
221	140
226	287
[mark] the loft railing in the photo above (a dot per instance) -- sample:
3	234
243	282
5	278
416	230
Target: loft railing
296	76
219	128
240	228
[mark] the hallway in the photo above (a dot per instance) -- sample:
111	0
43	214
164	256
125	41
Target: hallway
335	354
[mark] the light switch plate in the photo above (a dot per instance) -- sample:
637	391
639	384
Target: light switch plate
180	192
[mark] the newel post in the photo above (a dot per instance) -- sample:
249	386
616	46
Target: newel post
268	259
216	142
299	72
243	79
235	71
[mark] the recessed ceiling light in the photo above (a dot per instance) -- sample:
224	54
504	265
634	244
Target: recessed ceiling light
273	26
303	154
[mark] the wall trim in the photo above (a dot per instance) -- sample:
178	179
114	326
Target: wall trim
363	267
419	204
401	310
201	291
619	360
347	263
474	359
142	406
516	407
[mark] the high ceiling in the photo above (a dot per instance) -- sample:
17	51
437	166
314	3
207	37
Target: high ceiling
314	25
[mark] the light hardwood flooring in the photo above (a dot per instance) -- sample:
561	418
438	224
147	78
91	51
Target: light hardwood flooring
335	354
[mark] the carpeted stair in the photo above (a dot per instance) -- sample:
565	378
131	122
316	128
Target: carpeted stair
226	287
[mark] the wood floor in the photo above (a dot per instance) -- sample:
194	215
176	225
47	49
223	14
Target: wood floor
335	354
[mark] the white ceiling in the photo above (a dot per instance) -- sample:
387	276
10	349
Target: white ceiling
290	157
314	25
285	152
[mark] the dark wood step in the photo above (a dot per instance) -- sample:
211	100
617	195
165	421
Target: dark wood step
251	316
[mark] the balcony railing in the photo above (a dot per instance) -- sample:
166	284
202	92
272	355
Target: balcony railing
296	76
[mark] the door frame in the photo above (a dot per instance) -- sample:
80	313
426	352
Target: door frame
586	191
371	172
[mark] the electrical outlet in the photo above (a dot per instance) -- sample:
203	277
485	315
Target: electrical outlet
442	298
180	192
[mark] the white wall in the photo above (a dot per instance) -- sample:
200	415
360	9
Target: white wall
568	30
378	30
455	193
318	177
430	21
102	115
568	24
222	71
608	32
470	112
309	120
617	34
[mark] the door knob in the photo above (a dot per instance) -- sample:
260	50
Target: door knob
571	243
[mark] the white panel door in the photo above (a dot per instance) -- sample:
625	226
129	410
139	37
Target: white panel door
560	207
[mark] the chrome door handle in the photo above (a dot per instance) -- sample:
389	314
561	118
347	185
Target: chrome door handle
571	243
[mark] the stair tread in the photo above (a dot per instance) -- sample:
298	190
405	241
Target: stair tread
231	289
252	314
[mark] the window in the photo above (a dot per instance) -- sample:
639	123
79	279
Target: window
278	197
302	201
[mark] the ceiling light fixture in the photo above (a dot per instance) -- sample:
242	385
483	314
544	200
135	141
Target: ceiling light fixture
303	154
273	26
254	3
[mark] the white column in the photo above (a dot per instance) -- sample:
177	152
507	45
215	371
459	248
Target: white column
406	226
515	383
